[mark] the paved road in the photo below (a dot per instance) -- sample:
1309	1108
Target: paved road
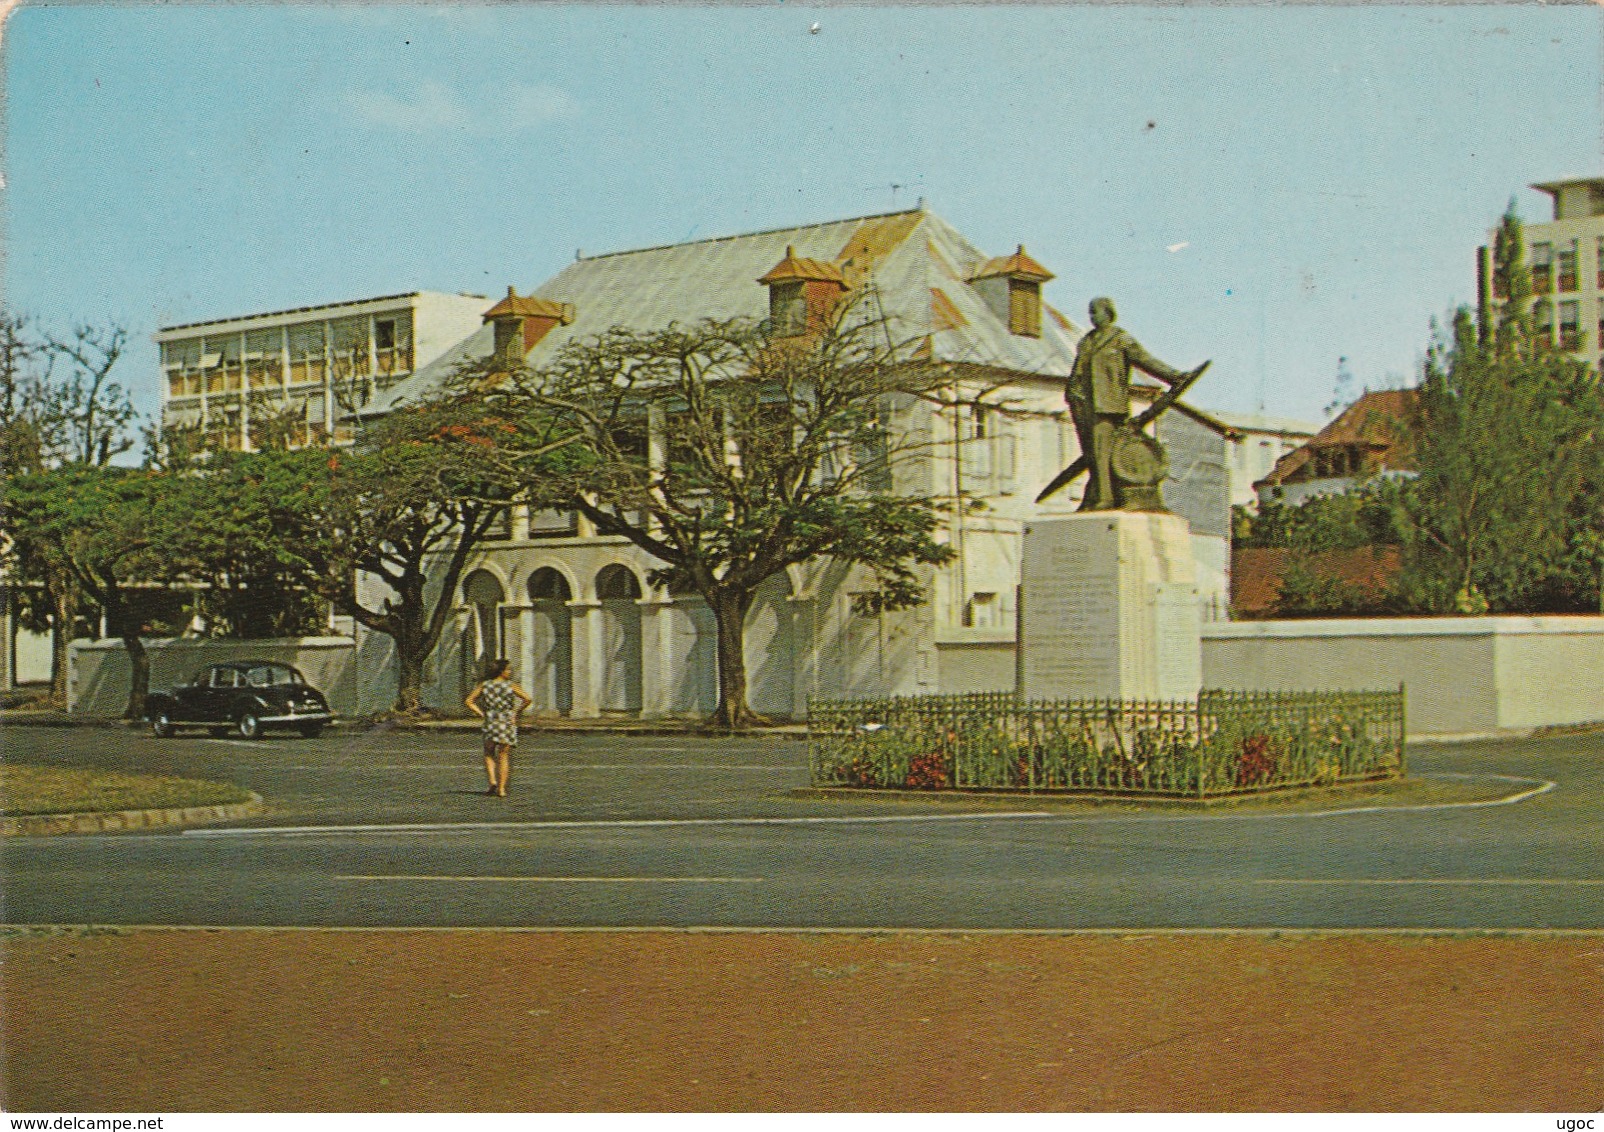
389	828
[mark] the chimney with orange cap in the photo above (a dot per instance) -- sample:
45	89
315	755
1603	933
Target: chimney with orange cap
802	293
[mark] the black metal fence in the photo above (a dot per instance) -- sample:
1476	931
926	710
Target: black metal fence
1223	743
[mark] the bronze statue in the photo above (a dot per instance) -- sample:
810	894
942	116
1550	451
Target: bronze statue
1126	464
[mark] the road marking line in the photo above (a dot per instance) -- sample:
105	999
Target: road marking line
557	880
617	823
1432	880
1540	786
542	768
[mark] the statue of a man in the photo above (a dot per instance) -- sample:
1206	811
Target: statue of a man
1099	396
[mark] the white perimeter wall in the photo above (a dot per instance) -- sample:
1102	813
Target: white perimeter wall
1461	674
98	674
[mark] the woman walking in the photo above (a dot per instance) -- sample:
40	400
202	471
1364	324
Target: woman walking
499	702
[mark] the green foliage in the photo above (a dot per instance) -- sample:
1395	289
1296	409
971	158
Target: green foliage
1322	535
1368	516
218	529
99	529
384	530
1504	515
1225	743
1512	278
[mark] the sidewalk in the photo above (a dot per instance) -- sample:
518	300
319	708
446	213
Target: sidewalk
651	1021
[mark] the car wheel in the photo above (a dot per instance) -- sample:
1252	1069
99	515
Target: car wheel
161	725
311	730
249	727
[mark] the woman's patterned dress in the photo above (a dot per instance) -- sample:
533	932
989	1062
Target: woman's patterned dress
498	701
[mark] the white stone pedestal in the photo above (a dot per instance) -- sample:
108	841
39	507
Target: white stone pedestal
1109	608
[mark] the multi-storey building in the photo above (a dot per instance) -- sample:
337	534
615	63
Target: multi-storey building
575	610
303	371
1566	256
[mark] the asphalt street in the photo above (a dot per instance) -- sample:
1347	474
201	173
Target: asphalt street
391	828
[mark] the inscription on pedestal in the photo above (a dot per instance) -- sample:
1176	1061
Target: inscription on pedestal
1110	608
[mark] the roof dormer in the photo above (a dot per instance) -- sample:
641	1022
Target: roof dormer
523	320
802	293
1011	287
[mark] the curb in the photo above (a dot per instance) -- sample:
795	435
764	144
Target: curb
44	825
1047	798
11	718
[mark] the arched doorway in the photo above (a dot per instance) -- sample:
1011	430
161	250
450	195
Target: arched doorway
551	676
481	638
619	592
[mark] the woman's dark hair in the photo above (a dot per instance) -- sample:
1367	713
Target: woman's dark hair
494	668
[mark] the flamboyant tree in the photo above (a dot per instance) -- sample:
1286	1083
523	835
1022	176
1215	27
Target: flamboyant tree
730	452
384	530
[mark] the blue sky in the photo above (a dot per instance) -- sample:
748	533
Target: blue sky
1270	187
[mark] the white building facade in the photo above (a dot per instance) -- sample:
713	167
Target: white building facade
574	611
1566	257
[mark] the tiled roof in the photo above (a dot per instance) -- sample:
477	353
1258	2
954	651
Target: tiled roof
1018	266
1258	573
530	306
903	255
1377	423
795	267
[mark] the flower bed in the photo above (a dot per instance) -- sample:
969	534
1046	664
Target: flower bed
1224	743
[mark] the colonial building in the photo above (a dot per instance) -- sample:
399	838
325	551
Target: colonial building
303	370
574	611
1255	442
1370	438
1566	257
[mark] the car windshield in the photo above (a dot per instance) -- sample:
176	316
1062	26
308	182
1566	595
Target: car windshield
267	675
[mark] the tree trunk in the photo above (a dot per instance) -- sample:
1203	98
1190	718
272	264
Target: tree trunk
409	674
63	615
729	616
125	622
139	674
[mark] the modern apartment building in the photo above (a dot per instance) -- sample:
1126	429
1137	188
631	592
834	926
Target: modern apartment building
301	372
1566	255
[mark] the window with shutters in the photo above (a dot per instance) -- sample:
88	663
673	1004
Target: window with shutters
1005	454
1542	270
1565	260
350	347
1024	307
1543	323
981	611
392	343
976	455
306	354
788	308
264	360
1570	325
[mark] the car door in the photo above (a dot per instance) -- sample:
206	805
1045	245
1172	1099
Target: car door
189	700
211	698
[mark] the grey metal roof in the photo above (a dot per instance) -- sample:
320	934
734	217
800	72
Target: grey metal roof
908	256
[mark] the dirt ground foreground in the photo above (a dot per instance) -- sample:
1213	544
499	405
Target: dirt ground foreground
283	1021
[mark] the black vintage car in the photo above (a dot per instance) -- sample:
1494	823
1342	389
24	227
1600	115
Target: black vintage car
243	696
